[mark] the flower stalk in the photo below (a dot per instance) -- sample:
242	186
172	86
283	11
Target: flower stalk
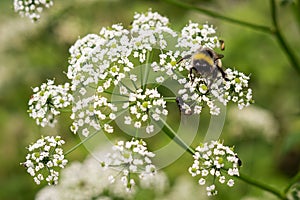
274	31
216	15
262	186
173	136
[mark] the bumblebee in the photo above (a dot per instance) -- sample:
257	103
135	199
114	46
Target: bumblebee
206	63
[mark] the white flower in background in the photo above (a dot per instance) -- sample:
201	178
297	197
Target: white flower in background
47	101
252	122
185	188
44	159
130	158
88	180
31	8
215	163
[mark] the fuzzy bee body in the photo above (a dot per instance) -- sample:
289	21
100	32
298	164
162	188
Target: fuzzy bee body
205	63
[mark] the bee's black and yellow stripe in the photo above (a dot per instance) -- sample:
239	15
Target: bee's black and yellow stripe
203	57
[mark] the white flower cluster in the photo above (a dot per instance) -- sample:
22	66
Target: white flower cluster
44	159
194	35
216	161
88	180
144	107
47	101
98	62
236	88
194	96
197	93
130	157
31	8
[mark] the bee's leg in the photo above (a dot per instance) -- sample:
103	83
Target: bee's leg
218	64
192	75
223	73
184	58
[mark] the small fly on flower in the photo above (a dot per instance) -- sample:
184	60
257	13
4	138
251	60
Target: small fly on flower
206	63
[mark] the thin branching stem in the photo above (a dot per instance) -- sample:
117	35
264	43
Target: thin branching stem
92	135
294	180
173	136
280	39
80	143
275	31
261	185
217	15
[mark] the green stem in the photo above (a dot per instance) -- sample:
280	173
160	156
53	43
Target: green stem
273	31
222	17
133	83
80	143
108	92
92	135
262	186
145	79
170	99
173	136
280	39
295	179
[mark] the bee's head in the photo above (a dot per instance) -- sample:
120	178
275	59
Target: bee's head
209	52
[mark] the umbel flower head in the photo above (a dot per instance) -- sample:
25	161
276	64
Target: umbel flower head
130	157
215	163
120	62
31	8
44	159
47	101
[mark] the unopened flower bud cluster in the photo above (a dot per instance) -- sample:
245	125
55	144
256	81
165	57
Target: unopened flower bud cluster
44	159
31	8
130	157
214	163
47	101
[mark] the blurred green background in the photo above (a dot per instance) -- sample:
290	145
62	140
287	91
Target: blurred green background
32	53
